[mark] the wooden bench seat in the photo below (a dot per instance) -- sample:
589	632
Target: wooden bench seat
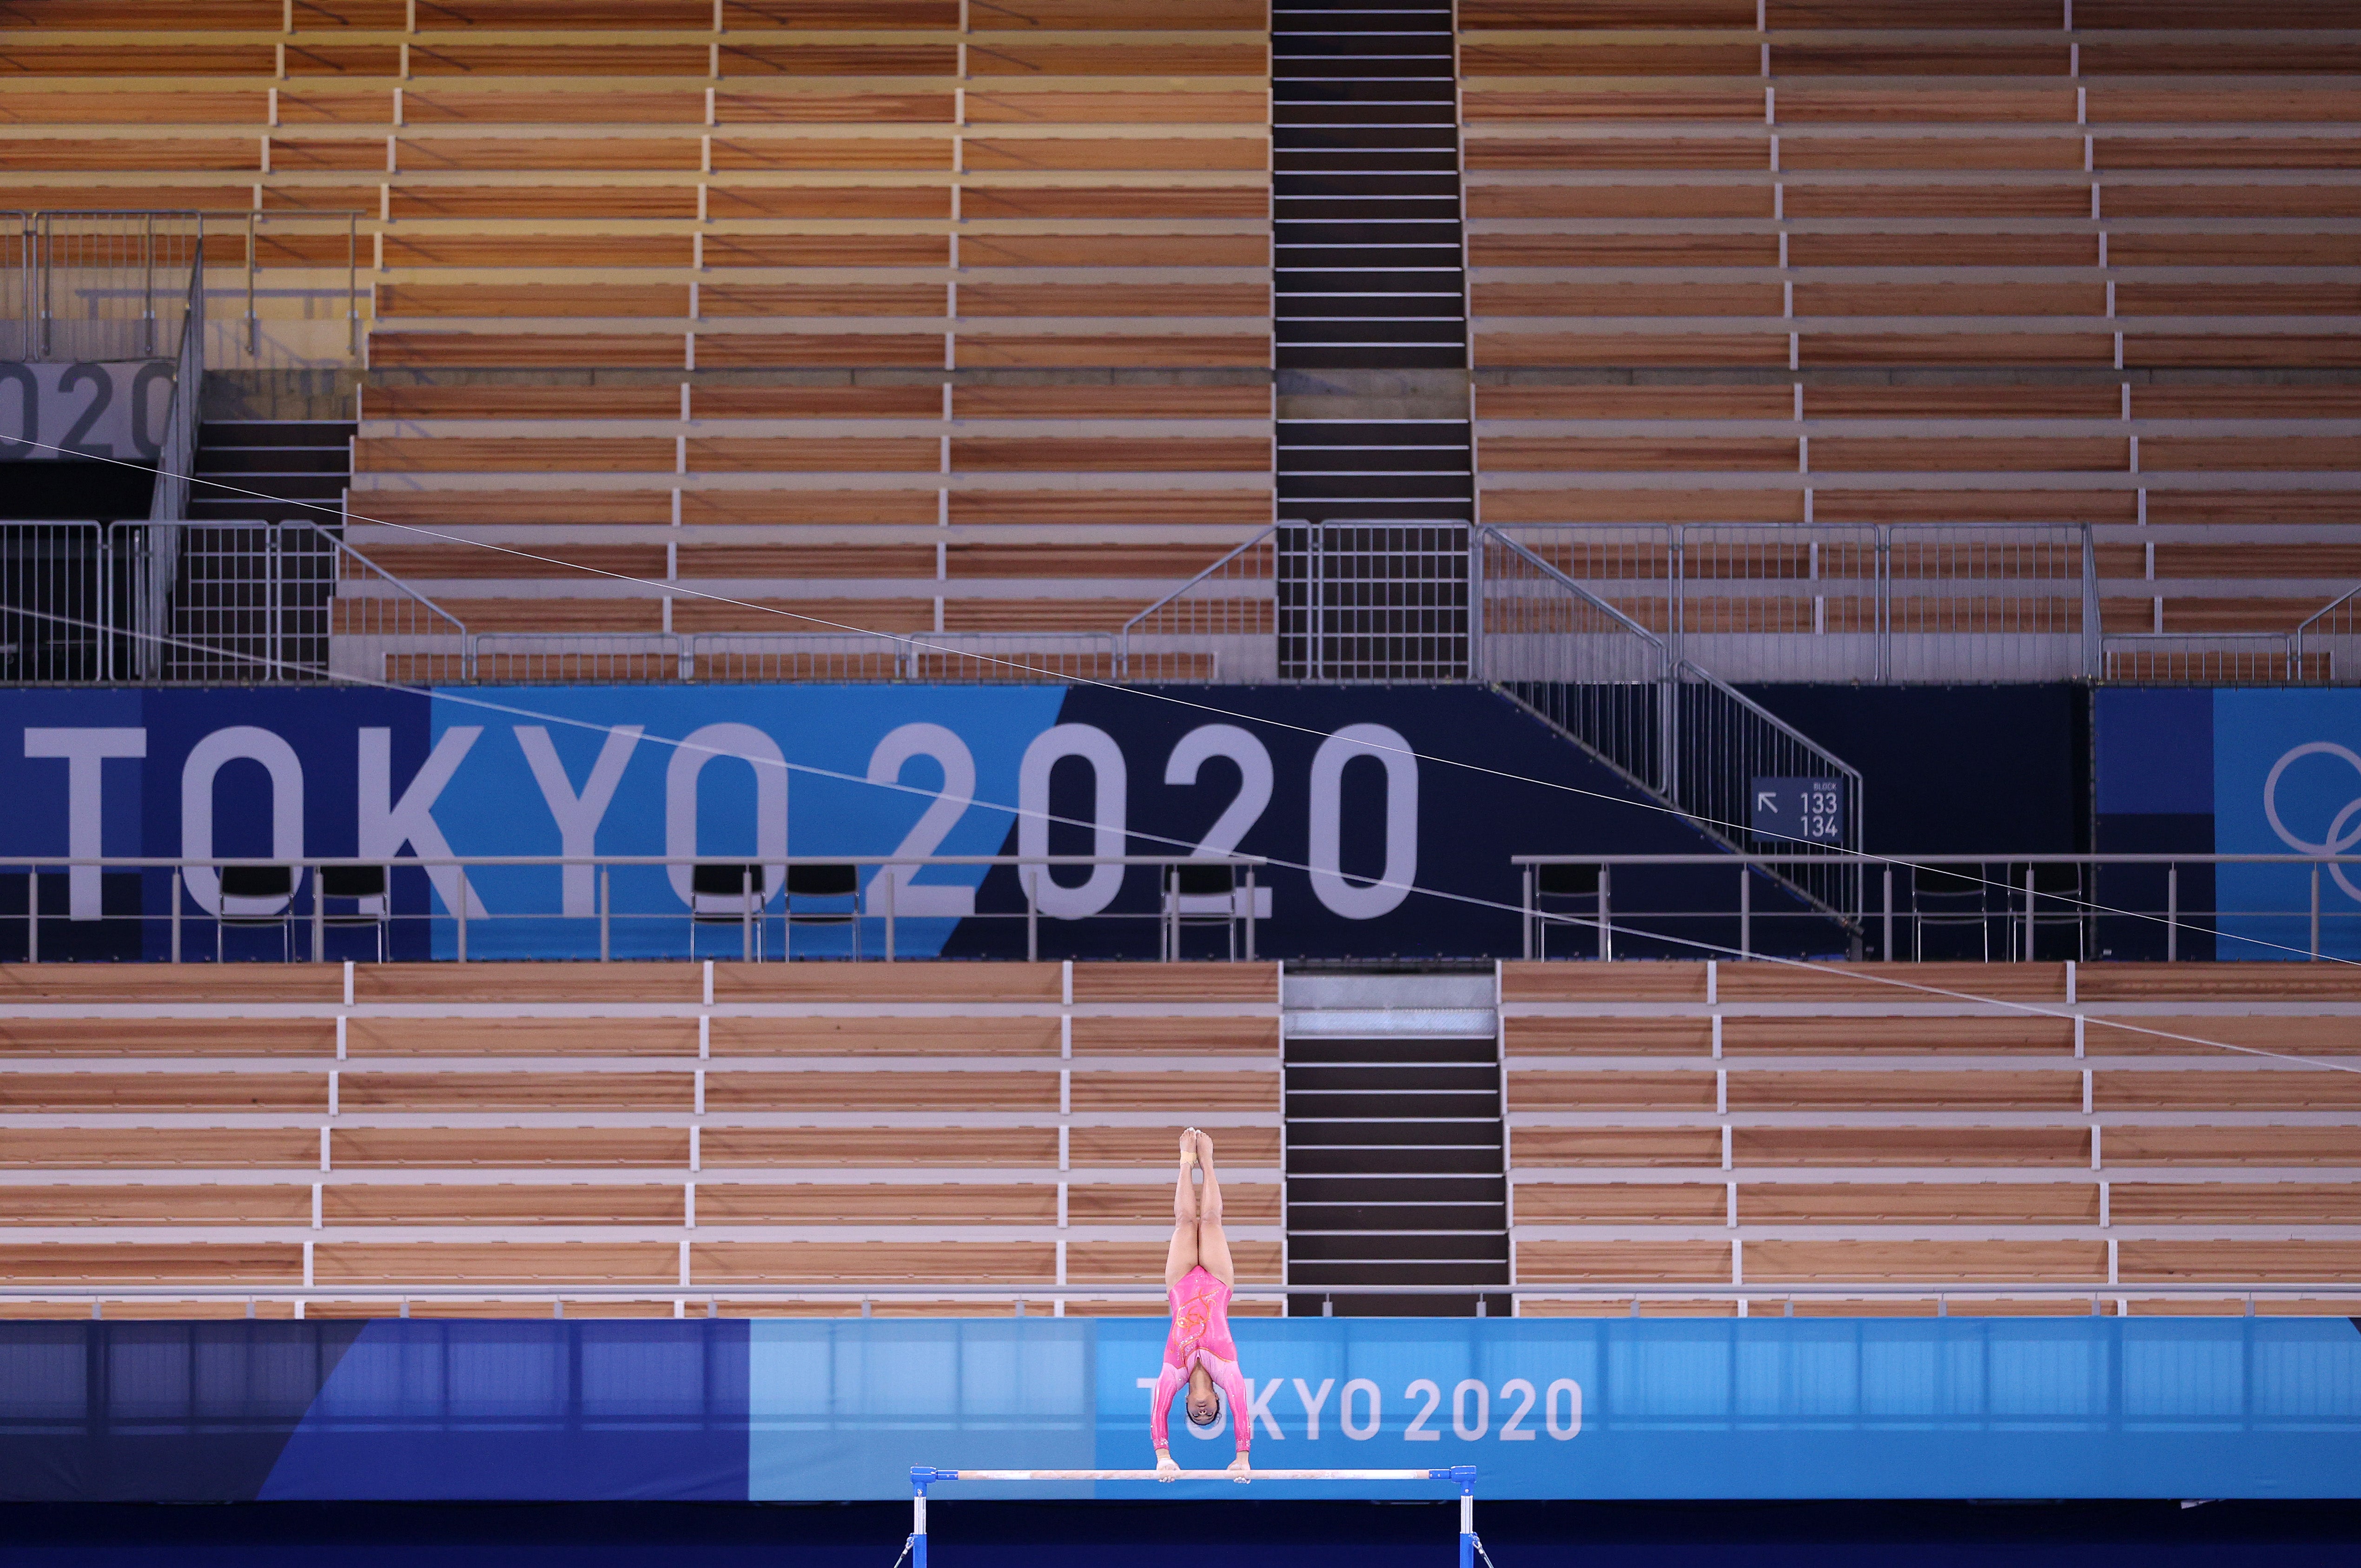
459	1037
69	1263
372	1149
152	984
159	1204
168	1037
496	1263
1919	1203
2131	1144
876	1203
163	1091
916	1263
500	1204
527	983
884	1036
1176	1036
1243	984
1239	1088
932	983
447	1091
1781	1262
822	1089
1906	1145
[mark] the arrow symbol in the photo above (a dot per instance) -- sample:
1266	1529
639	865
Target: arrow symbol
1763	801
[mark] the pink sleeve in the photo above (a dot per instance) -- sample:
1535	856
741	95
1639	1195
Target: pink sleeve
1159	1414
1234	1395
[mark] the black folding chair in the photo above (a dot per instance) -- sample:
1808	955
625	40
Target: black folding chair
258	897
728	893
1563	888
827	882
1202	895
1941	897
2047	893
366	889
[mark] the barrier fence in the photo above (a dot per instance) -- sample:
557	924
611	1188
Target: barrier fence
82	286
1197	907
1632	1298
2006	908
2028	907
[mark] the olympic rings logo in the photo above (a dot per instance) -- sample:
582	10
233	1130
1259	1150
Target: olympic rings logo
2343	831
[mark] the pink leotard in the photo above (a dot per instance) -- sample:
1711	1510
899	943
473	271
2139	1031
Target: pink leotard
1201	1335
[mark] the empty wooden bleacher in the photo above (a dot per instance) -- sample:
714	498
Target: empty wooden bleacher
1747	1123
1864	264
469	1127
925	286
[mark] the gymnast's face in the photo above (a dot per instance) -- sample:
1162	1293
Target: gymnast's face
1204	1406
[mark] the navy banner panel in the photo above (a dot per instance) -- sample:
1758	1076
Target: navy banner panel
799	1410
1373	850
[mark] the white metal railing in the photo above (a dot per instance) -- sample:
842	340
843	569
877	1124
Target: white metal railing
99	285
102	286
1635	1296
86	603
210	896
2145	907
1222	624
1889	602
1588	669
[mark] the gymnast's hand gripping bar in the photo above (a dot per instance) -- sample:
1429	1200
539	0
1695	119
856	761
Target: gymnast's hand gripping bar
922	1477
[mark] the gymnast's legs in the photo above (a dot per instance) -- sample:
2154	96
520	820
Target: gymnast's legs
1181	1255
1213	1242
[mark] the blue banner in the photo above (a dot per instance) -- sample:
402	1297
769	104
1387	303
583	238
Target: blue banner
2234	772
812	1409
1321	780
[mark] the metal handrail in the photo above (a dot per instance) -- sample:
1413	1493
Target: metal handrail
1650	1290
1492	532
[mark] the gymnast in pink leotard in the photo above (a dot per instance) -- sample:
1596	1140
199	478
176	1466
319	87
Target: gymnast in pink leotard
1199	1354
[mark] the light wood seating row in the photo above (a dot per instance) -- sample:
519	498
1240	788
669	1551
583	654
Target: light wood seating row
1923	1202
834	453
1749	982
721	1146
726	1090
716	1203
1246	986
933	350
1882	502
345	16
1743	1036
1961	1263
437	58
657	1263
929	400
1104	504
365	1037
788	149
1918	401
726	1201
2125	1144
